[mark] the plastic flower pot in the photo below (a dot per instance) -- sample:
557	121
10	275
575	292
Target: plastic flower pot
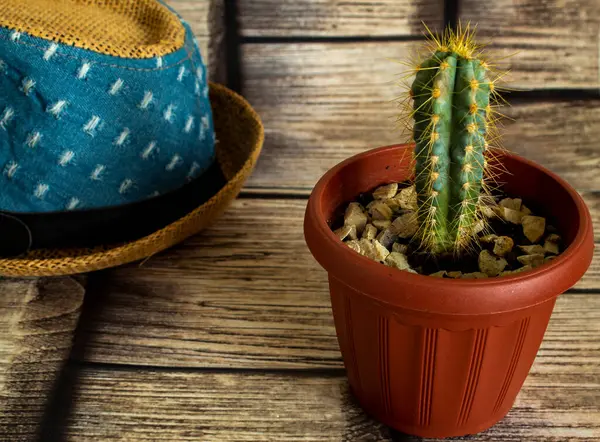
438	357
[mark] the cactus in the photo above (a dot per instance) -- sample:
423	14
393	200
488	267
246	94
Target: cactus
453	124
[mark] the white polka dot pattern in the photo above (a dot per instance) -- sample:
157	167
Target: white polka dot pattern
82	130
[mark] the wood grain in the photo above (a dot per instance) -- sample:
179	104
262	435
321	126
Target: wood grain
323	102
551	43
206	18
285	18
37	323
559	134
246	294
195	406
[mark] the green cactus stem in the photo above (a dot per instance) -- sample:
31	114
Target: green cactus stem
451	112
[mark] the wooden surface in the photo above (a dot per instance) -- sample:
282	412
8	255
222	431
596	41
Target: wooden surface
332	18
245	294
555	405
229	336
551	43
322	102
37	325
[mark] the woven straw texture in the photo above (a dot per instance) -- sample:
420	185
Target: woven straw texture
240	134
121	28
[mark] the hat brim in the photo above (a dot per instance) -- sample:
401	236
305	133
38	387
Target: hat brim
241	135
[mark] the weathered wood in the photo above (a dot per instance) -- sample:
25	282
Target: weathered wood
324	102
38	318
284	18
206	18
246	294
195	406
551	44
559	134
320	103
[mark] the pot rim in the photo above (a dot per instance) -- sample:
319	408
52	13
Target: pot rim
442	295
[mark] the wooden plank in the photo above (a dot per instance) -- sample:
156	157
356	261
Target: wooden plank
206	18
323	102
561	135
195	406
329	18
555	43
37	322
320	103
245	294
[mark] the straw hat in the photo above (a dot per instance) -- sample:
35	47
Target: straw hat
113	145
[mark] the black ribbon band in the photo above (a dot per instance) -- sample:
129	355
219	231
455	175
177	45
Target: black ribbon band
21	232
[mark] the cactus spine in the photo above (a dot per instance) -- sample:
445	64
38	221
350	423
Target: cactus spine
453	122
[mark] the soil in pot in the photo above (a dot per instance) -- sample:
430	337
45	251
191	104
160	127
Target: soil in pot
382	225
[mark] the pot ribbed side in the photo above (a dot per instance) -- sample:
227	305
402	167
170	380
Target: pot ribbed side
442	381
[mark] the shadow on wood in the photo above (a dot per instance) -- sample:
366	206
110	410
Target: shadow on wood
38	321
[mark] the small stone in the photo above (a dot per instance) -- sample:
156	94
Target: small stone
533	227
367	248
531	260
487	205
386	192
478	227
380	211
519	270
474	275
455	275
553	237
491	265
370	232
393	203
387	237
381	253
382	224
408	198
532	250
354	245
405	226
512	203
439	274
510	215
370	248
551	245
503	245
525	210
355	216
371	205
400	248
397	260
488	238
346	232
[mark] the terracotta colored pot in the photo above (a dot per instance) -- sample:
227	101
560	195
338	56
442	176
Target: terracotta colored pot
438	357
